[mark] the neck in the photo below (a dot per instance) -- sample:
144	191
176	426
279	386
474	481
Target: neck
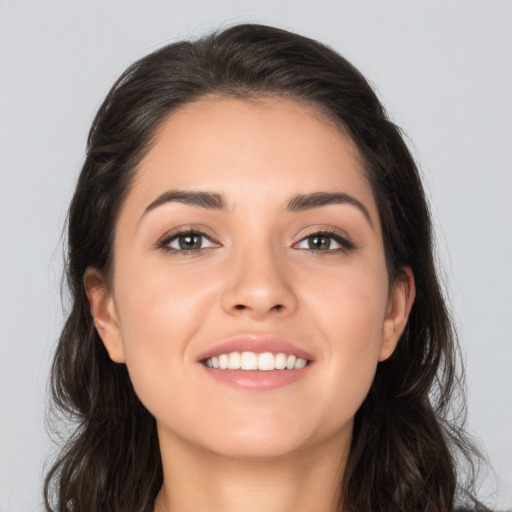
198	480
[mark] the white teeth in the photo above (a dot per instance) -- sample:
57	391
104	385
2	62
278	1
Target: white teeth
234	361
300	363
249	361
223	361
266	361
280	361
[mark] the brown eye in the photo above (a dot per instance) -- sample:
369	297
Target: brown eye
325	241
319	242
190	241
187	241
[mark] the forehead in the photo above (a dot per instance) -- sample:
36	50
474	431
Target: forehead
266	149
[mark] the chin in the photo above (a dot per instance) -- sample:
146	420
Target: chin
256	447
270	439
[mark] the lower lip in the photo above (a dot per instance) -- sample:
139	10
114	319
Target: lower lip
257	380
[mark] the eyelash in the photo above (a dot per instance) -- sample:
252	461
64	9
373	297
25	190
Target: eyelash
164	244
346	245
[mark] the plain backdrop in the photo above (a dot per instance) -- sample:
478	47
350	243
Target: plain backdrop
442	68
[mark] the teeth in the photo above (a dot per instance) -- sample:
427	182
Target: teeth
266	361
280	361
234	361
249	361
223	361
300	363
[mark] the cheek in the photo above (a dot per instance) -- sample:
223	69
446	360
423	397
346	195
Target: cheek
160	312
350	305
157	305
349	314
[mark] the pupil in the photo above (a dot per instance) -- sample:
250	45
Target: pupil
319	242
190	242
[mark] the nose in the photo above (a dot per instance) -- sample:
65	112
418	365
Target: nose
259	285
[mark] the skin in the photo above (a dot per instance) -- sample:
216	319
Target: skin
225	448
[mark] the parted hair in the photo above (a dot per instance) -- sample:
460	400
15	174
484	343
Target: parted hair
408	444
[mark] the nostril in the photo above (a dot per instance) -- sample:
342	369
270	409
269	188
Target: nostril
276	307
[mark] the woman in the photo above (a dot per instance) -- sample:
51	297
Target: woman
256	321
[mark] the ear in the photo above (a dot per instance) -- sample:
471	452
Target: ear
104	313
400	301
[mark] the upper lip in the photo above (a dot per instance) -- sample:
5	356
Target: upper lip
257	344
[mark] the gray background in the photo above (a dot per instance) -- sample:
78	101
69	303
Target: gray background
443	69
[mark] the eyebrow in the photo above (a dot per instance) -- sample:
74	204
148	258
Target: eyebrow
304	202
217	201
209	200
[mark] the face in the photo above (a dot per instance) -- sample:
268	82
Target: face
251	238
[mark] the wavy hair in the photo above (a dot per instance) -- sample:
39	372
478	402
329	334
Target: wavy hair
407	440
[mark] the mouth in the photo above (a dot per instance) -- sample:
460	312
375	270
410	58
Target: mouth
263	362
256	363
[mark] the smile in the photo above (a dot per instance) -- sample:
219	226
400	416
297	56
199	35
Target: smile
256	362
265	361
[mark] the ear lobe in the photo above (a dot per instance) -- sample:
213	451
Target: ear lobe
104	313
401	299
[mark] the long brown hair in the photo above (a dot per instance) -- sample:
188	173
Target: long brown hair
406	439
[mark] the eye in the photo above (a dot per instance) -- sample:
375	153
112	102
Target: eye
324	241
187	241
